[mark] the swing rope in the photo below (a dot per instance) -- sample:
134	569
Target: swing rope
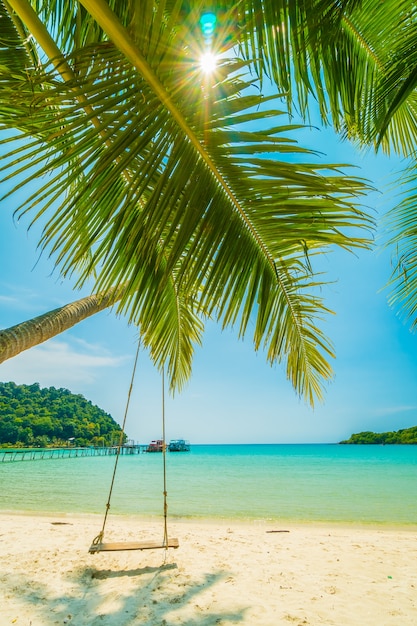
164	455
99	539
97	544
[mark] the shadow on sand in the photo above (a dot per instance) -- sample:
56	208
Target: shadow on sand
148	596
138	571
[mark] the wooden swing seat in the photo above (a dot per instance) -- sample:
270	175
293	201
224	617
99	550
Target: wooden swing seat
133	545
100	546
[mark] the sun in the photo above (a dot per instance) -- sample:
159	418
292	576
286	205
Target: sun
208	62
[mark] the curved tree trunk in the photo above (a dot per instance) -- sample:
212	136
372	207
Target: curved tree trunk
39	329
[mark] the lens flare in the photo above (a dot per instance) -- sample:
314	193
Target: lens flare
208	62
208	23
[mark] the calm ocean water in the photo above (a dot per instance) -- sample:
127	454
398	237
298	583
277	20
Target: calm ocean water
366	484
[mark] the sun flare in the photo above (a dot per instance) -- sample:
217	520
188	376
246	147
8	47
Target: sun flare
208	62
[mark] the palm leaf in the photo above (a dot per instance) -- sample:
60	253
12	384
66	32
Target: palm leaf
14	47
400	226
169	194
353	57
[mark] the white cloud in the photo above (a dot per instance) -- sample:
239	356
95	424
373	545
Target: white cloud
89	346
8	300
393	410
59	364
17	293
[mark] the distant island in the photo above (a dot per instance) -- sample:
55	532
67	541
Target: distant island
35	417
404	436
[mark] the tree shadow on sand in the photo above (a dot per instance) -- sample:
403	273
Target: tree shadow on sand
149	596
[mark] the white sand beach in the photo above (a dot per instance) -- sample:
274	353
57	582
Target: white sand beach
223	573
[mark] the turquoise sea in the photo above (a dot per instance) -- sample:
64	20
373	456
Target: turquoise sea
336	483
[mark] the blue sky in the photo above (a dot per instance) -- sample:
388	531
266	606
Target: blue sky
234	395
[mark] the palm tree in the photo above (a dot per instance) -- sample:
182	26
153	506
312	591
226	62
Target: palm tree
184	189
39	329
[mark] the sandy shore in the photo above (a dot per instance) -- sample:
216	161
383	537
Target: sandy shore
229	573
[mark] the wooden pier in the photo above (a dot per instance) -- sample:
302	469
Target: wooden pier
37	454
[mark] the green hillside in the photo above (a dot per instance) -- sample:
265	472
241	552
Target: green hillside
406	435
31	416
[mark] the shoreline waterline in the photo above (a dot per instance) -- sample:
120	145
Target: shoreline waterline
156	522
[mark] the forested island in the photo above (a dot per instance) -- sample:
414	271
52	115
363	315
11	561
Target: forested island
35	417
405	436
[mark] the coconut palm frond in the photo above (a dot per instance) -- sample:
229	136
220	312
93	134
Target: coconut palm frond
185	190
399	92
361	54
353	58
170	321
400	226
15	50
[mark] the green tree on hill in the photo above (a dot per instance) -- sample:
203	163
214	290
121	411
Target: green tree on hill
403	436
31	416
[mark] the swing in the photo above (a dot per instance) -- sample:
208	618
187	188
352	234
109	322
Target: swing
98	545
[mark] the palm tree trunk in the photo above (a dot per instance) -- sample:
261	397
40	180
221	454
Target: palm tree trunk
39	329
